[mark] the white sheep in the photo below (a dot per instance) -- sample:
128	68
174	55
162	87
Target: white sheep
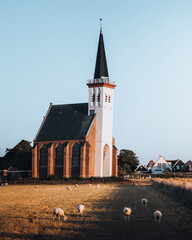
58	212
127	213
36	186
76	185
80	209
157	215
69	188
98	186
144	202
6	184
89	185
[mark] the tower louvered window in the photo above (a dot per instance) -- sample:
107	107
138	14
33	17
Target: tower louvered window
109	99
105	98
93	97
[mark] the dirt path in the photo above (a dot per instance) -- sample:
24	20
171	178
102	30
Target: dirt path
103	217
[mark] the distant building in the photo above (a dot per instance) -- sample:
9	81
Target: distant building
188	166
17	161
76	140
141	169
172	165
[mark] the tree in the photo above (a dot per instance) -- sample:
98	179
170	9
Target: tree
127	161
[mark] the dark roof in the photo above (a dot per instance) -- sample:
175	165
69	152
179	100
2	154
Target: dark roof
141	168
101	63
65	122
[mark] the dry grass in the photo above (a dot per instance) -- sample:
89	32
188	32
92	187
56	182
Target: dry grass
26	213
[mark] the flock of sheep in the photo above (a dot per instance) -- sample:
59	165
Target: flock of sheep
157	214
58	212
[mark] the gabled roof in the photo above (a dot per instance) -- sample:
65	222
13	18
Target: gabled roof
150	164
177	161
188	163
65	122
141	168
101	63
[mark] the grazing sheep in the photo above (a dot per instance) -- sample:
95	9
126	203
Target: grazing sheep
157	215
58	212
144	202
89	185
6	184
80	209
98	186
127	213
36	186
69	188
76	185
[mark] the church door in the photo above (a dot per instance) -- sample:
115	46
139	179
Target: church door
43	162
106	161
75	166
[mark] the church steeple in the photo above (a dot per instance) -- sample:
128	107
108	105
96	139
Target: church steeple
101	63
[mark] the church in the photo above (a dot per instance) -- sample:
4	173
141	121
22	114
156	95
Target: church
76	140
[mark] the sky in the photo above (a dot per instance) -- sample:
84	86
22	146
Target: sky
48	52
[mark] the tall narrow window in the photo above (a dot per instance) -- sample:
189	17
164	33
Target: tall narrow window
98	96
75	168
109	99
105	98
43	156
59	156
59	161
43	162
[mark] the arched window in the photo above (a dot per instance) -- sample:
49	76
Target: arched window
75	165
43	156
59	161
43	162
59	156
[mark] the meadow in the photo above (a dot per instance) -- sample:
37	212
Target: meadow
26	213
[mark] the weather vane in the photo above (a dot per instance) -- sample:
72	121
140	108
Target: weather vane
100	24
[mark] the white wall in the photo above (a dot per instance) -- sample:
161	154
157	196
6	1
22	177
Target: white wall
104	126
160	165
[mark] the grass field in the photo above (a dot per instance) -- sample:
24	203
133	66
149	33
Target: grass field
26	213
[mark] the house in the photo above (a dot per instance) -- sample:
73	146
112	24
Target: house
150	165
76	140
160	165
172	165
17	160
178	165
141	169
188	166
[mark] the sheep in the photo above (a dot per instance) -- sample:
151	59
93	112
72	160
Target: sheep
58	212
98	186
80	209
157	215
6	184
89	185
69	188
76	185
36	186
127	213
144	202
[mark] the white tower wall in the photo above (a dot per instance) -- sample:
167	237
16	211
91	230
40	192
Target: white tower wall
104	126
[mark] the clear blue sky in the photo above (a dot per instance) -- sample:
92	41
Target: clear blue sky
48	51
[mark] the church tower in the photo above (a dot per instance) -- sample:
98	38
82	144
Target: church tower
101	97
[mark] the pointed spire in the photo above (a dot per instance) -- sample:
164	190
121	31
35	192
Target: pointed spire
101	63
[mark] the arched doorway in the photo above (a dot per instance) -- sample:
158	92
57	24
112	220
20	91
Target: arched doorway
59	161
43	162
106	161
75	165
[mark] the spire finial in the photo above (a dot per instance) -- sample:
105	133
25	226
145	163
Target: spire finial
100	25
